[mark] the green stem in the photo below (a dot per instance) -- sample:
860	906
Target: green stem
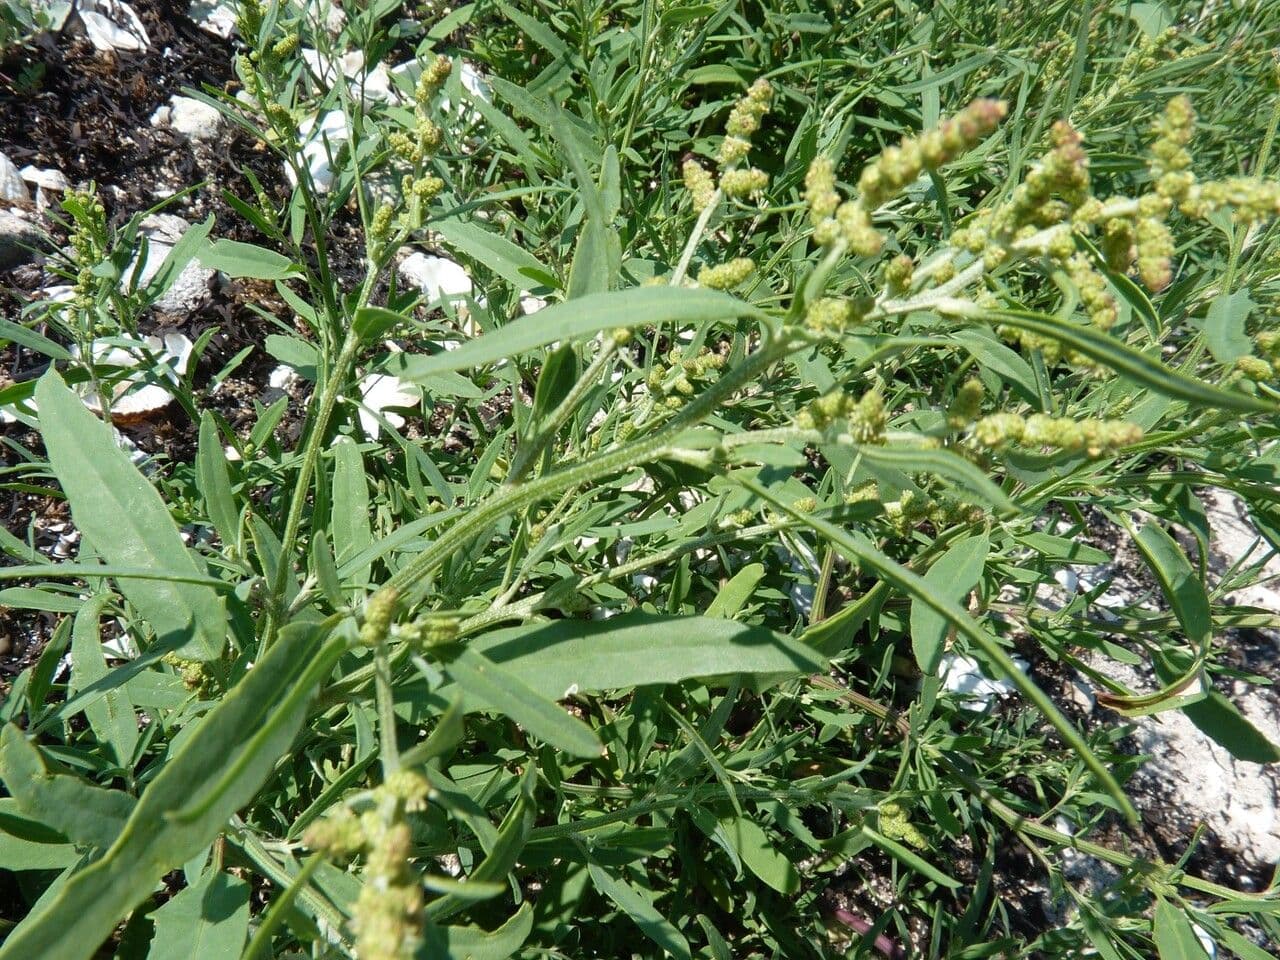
385	695
695	237
409	578
529	452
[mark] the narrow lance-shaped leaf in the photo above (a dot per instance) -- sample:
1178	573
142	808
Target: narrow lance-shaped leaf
1125	360
122	515
638	905
503	691
112	718
559	659
574	320
84	813
472	943
952	575
217	770
215	483
207	921
918	589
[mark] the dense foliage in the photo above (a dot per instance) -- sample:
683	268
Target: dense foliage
624	629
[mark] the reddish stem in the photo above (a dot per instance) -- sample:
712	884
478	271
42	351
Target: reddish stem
863	926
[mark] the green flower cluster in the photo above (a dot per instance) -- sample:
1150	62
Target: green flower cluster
379	613
1267	366
420	144
832	316
1091	436
726	276
886	176
700	184
387	916
897	167
866	417
674	381
966	405
744	121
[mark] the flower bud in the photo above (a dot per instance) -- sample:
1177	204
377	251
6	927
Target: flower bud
967	404
744	183
820	190
699	183
726	276
379	612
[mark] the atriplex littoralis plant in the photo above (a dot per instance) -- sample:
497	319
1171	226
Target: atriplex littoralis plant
322	636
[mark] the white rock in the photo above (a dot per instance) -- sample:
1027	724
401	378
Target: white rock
113	25
1195	779
46	182
132	396
323	144
531	304
1067	579
439	278
964	679
281	378
51	179
12	186
378	391
188	116
326	69
213	17
476	84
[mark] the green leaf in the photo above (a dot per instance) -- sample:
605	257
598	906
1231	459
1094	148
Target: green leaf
576	319
915	586
1175	940
556	379
1220	720
1125	360
371	323
295	352
944	464
503	854
16	333
999	359
473	943
952	575
509	261
349	523
237	259
217	770
1224	326
122	515
638	905
206	921
565	657
504	692
215	483
759	855
734	594
80	811
1179	582
111	718
187	248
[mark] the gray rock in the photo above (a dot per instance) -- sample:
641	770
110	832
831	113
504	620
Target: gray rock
19	239
189	289
192	118
11	184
